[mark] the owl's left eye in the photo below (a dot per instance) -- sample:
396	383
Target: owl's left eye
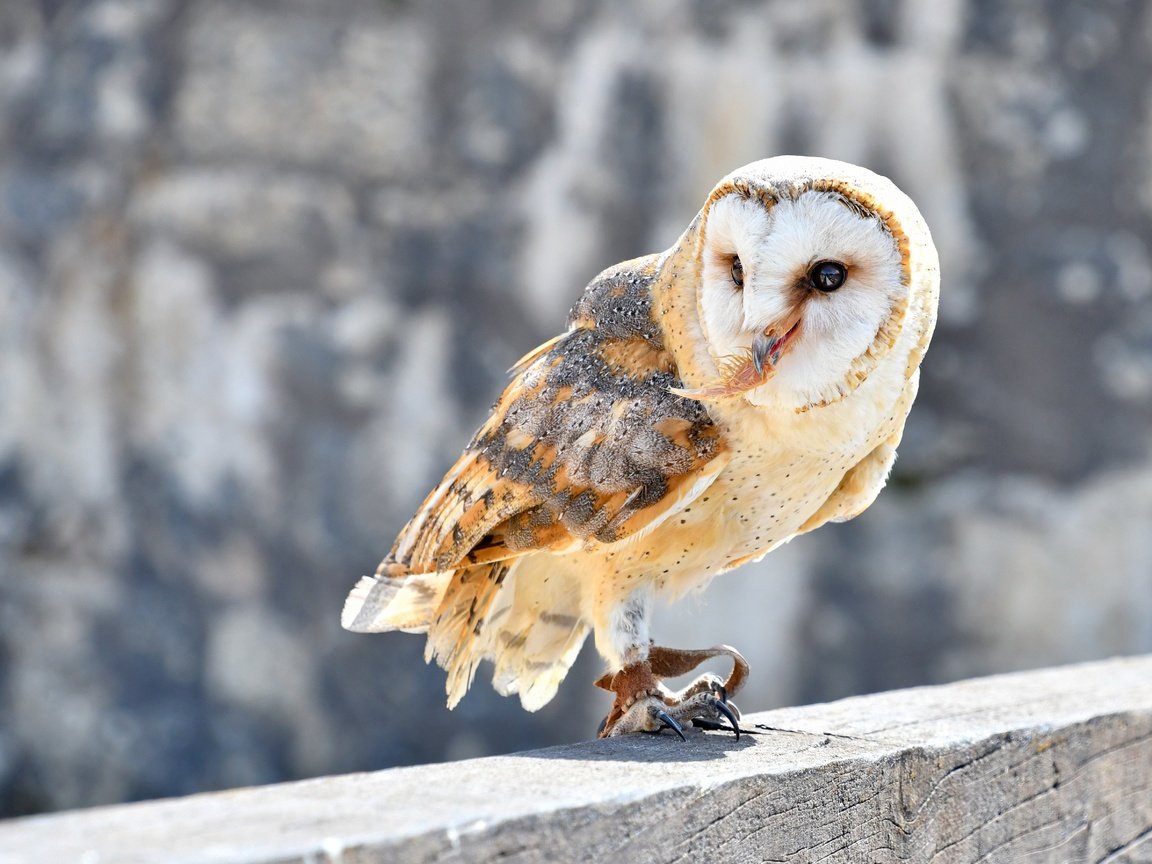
827	276
737	272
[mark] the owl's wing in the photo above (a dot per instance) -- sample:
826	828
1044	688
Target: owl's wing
857	490
586	445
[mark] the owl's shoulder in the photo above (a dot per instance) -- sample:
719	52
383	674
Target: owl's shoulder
590	426
618	302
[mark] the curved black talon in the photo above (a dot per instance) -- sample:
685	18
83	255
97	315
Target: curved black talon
727	712
669	723
603	723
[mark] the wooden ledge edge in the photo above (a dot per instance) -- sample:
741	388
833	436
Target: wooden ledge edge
1054	764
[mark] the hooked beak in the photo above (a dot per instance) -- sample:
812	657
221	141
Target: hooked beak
771	344
741	374
775	339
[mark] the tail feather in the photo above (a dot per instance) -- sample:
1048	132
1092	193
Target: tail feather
459	622
537	676
522	614
380	603
535	634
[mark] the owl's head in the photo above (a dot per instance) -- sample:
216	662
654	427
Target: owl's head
807	269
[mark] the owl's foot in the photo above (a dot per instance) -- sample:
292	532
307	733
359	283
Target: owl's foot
644	704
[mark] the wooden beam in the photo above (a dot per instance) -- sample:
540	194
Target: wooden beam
1046	766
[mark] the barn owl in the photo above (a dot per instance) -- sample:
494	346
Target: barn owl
705	405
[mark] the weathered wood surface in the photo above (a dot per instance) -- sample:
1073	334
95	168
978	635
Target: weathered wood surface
1047	766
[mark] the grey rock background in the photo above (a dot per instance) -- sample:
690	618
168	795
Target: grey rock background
263	265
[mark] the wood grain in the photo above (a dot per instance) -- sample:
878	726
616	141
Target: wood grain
1046	766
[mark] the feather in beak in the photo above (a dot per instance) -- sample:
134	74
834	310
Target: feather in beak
743	372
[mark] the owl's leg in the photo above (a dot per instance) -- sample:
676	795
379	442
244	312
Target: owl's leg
644	704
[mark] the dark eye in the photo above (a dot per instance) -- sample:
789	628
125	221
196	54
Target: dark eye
827	275
737	272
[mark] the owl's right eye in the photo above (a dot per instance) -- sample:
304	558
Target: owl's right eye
737	272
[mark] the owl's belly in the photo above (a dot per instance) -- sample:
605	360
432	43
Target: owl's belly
781	471
760	501
766	493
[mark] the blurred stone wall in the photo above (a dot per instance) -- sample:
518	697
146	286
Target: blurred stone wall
263	265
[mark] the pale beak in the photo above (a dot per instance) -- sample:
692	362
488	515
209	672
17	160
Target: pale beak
740	374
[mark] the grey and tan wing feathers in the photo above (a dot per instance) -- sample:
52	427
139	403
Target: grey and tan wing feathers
586	445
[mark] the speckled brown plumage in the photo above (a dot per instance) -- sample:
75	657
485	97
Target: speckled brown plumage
582	445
